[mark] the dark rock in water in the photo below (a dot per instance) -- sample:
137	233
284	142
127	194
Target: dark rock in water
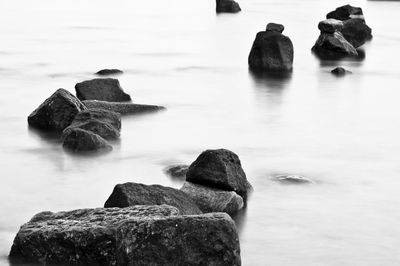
130	194
106	89
106	116
208	239
106	72
356	32
177	171
79	237
340	71
57	112
275	27
213	200
219	169
346	12
122	108
333	46
271	51
78	139
293	179
227	6
330	25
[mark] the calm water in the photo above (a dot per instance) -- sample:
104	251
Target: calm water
343	133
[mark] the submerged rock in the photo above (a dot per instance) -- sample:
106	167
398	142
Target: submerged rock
275	27
78	139
106	72
177	171
219	169
106	89
57	112
213	200
130	194
346	12
227	6
293	179
333	46
122	108
340	71
356	32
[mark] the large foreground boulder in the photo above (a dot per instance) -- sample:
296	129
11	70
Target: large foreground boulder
78	140
227	6
219	169
213	200
271	51
130	194
122	108
106	89
57	112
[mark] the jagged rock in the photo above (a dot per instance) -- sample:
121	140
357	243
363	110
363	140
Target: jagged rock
330	25
78	139
271	51
293	179
84	237
106	72
340	71
57	112
227	6
333	46
177	171
106	89
122	108
219	169
213	200
275	27
356	32
346	12
130	194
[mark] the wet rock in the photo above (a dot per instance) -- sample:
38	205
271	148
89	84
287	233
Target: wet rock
208	239
219	169
106	116
106	89
107	72
356	32
57	112
104	130
275	27
83	237
78	139
122	108
213	200
130	194
177	171
333	46
227	6
271	51
330	25
346	12
293	179
340	71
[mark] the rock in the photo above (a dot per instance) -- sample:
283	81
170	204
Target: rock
106	89
333	46
208	239
219	169
356	32
104	130
177	171
84	237
107	72
293	179
275	27
345	12
57	112
271	51
122	108
106	116
340	71
213	200
130	194
227	6
78	139
330	25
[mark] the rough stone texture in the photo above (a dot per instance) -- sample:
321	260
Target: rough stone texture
177	171
275	27
340	71
78	139
356	32
330	25
122	108
213	200
333	46
227	6
293	179
271	51
129	194
84	237
104	130
219	169
208	239
106	72
56	112
106	89
345	12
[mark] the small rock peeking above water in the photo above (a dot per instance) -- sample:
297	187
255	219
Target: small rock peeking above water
107	72
293	179
177	171
122	108
340	71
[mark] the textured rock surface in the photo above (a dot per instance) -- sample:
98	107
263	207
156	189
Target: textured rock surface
275	27
227	6
177	171
106	89
129	194
122	108
333	46
78	139
84	237
345	12
56	112
356	32
208	239
219	169
330	25
271	51
213	200
106	72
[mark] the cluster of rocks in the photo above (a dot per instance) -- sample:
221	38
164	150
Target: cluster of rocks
87	122
147	224
342	33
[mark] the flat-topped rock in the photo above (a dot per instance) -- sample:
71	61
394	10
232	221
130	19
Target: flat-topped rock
227	6
102	89
345	12
80	140
107	72
275	27
122	108
330	25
